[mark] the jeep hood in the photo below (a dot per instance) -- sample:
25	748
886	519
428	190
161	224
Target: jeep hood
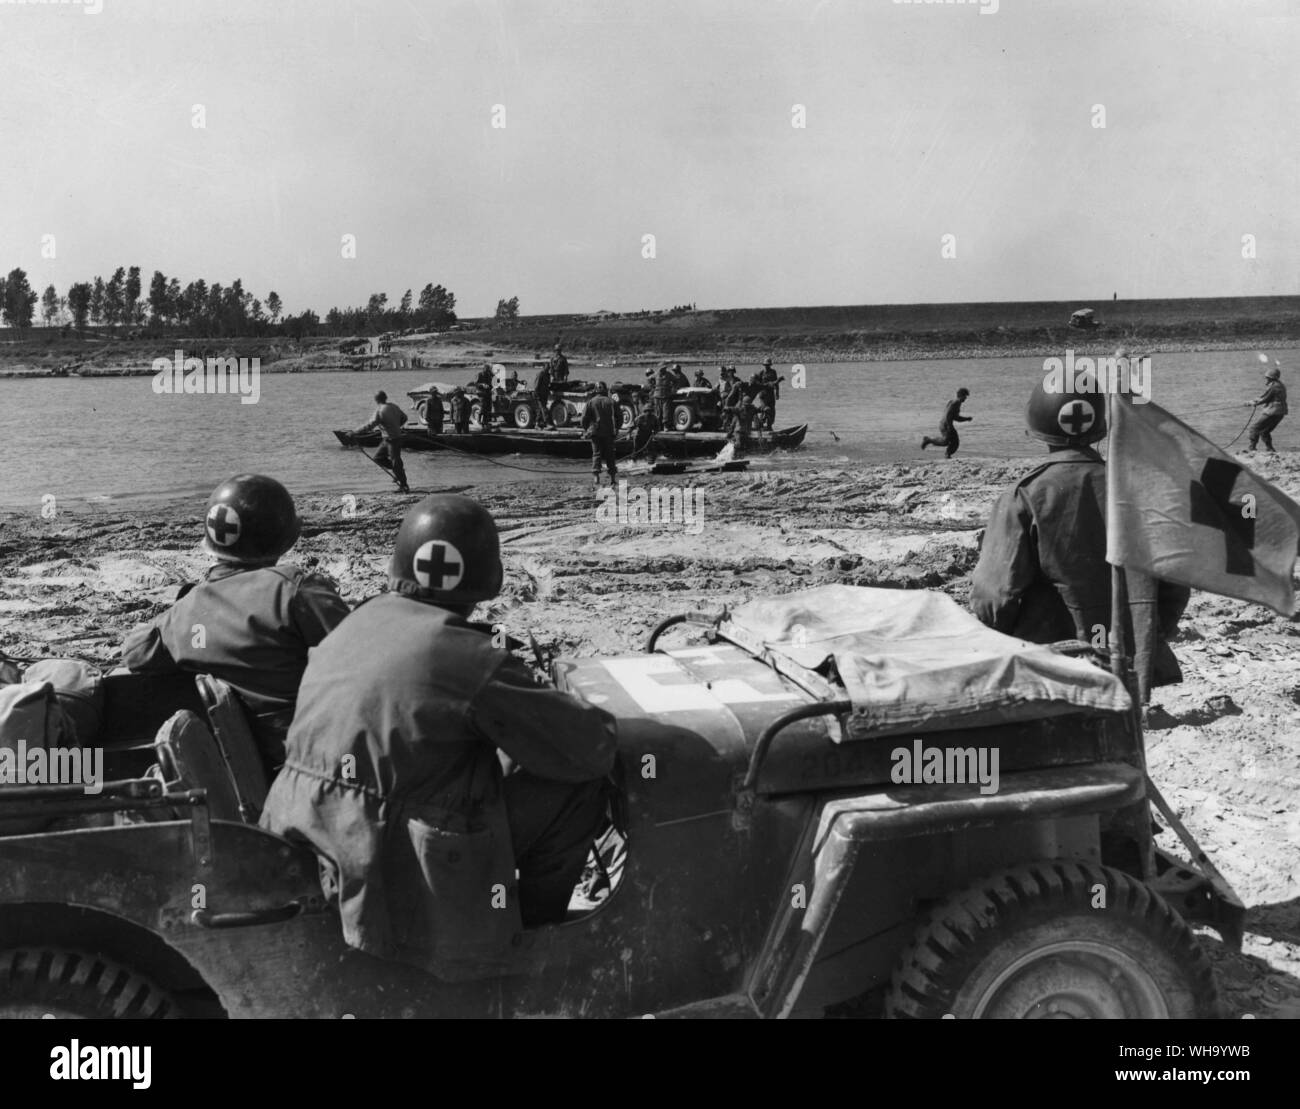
914	660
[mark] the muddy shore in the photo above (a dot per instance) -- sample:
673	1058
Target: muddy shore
1224	746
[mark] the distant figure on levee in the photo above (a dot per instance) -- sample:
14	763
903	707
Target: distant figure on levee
1042	573
952	416
257	619
600	424
1271	410
388	418
427	766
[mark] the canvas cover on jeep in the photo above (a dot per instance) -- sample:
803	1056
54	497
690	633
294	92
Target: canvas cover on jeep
914	659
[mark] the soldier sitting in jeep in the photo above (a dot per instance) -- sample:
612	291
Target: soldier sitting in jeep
392	770
250	622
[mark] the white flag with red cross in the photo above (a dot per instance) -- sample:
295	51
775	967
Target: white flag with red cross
1181	509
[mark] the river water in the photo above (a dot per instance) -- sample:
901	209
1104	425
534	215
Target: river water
96	440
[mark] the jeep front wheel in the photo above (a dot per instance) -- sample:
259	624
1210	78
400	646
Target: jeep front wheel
35	981
1054	940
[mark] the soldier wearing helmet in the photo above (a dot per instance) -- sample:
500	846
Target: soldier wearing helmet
558	366
394	768
600	425
250	622
1271	408
1042	573
388	418
952	416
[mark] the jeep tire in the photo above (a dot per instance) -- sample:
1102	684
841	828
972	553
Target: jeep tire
1056	940
683	417
35	981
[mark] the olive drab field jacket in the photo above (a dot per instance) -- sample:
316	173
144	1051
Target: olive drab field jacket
1273	400
393	775
1042	573
249	626
388	418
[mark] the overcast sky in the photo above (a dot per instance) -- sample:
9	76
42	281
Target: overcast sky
623	119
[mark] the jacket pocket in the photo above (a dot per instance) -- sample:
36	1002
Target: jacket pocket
473	897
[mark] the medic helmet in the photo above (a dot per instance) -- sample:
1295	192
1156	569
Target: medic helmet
1065	419
447	550
251	520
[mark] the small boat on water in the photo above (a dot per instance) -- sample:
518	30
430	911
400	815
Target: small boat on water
569	443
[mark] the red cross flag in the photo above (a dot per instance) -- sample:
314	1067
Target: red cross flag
1181	509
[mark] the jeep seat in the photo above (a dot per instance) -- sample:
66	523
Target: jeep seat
237	744
189	757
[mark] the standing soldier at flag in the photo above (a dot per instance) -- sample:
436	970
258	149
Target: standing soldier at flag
1042	573
1271	409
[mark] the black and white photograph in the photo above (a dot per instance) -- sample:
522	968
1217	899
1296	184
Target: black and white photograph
651	509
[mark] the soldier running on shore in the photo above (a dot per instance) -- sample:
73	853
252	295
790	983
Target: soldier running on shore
388	418
952	416
1271	410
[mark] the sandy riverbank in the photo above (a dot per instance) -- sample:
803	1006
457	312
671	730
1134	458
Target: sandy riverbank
1226	743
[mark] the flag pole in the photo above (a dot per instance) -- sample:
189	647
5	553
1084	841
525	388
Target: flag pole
1118	585
1119	606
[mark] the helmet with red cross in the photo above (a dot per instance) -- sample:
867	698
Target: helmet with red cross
250	520
447	550
1065	419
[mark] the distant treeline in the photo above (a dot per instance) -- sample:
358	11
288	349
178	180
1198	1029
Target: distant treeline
209	310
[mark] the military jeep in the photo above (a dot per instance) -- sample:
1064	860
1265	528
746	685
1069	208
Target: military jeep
790	846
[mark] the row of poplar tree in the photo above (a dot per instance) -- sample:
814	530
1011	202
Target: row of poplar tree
205	309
